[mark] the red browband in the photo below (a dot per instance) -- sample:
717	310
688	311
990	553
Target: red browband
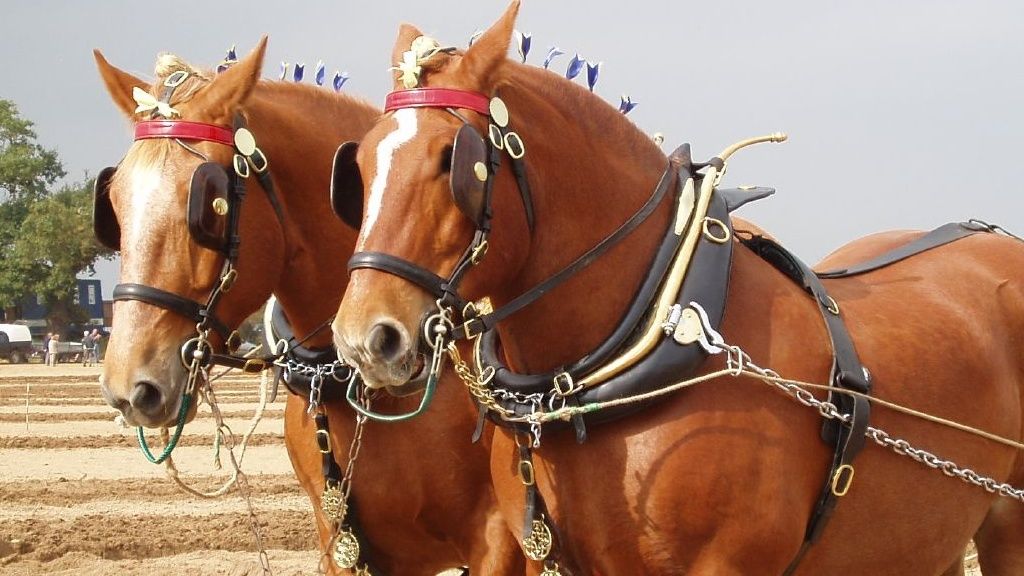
185	129
437	98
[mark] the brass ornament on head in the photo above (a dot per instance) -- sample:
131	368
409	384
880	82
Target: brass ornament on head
241	165
332	503
499	112
494	133
245	142
538	545
220	206
551	569
514	145
345	551
480	171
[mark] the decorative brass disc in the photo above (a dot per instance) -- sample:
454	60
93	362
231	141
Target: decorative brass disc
331	503
480	171
499	112
245	141
538	545
551	571
346	550
220	206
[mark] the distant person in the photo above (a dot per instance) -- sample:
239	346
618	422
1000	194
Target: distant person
51	347
90	345
46	348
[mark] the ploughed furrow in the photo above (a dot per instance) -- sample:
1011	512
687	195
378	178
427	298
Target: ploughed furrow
125	441
142	535
38	415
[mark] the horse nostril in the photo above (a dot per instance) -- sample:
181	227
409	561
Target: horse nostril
121	404
146	398
385	342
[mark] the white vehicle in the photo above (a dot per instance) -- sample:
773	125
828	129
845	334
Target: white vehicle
15	343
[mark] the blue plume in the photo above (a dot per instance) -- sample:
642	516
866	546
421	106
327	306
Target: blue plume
284	70
298	71
523	42
320	72
626	104
228	60
575	67
552	53
339	80
592	71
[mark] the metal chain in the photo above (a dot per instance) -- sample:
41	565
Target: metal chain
740	362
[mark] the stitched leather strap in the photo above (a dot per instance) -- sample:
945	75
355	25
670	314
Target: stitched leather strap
169	301
184	129
437	98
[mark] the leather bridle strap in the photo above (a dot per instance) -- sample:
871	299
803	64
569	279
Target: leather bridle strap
482	323
172	302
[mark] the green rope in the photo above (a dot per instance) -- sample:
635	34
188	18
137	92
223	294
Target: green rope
186	401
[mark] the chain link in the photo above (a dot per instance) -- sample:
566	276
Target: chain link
741	361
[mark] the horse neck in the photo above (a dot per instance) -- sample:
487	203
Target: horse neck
588	175
298	128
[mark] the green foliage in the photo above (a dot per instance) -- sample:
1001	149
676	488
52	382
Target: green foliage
46	237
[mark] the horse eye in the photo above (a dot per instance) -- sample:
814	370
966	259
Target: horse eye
446	159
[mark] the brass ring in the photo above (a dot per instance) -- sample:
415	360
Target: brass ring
520	148
836	489
494	133
241	166
723	238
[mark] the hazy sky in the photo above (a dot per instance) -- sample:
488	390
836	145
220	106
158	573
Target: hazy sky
901	114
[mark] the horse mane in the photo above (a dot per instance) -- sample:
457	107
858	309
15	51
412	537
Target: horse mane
557	91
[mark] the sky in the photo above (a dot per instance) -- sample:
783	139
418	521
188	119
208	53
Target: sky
901	114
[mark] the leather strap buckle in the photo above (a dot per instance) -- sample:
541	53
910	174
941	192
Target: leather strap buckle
564	385
842	480
323	441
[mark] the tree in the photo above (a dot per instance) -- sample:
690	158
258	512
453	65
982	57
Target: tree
45	237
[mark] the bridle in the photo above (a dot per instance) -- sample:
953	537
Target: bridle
216	192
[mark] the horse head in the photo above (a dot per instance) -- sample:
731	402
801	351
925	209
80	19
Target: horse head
167	206
462	177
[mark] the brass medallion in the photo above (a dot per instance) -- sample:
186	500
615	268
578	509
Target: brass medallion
538	545
346	550
220	206
331	503
499	112
245	142
480	171
551	571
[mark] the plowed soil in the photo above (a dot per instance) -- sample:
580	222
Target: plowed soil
78	497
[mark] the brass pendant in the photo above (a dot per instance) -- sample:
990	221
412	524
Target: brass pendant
331	503
551	571
538	545
346	550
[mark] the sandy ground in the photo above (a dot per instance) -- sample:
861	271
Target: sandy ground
78	497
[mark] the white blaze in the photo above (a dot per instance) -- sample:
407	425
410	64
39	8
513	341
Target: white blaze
406	118
144	184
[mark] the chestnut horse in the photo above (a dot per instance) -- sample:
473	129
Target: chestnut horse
420	503
721	478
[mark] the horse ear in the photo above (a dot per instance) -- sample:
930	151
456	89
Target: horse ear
233	86
406	34
119	84
491	48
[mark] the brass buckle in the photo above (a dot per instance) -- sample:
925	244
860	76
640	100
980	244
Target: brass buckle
846	479
494	133
564	384
723	238
228	280
526	473
323	441
832	306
